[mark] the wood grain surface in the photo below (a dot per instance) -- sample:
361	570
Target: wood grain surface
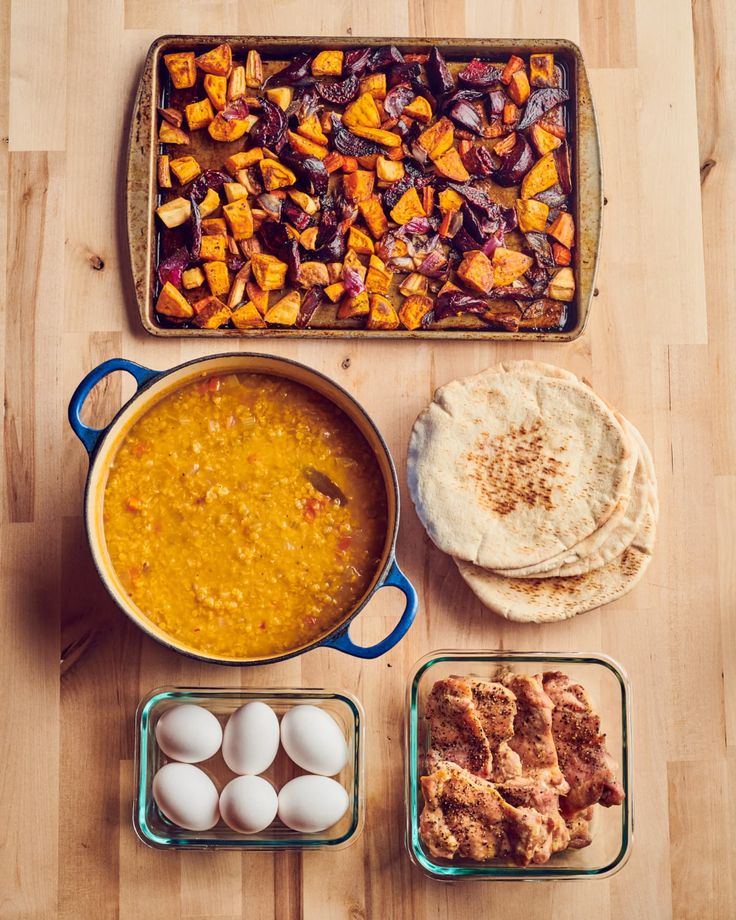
661	345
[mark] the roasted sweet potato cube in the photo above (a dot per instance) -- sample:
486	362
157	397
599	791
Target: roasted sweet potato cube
540	177
163	171
354	306
192	278
562	229
311	273
352	260
280	96
368	162
389	170
562	285
248	317
304	201
285	311
243	160
451	166
449	225
378	135
168	134
360	242
543	140
275	175
185	169
476	271
447	287
374	216
240	218
420	109
213	249
308	238
269	272
358	186
508	265
253	70
349	164
312	130
542	70
258	296
438	138
335	291
519	87
217	275
199	114
216	89
327	64
362	113
219	129
171	302
234	191
333	161
414	309
561	254
334	270
407	207
513	65
382	314
450	200
182	69
218	61
375	84
211	313
307	147
532	214
378	280
414	284
510	113
210	204
174	213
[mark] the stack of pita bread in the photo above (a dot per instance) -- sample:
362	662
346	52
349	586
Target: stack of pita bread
544	495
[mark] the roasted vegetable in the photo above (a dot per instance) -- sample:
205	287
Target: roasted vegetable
382	314
480	74
543	140
541	176
544	313
247	316
182	69
240	219
542	69
508	265
407	207
311	300
172	302
532	214
218	61
562	228
270	129
414	309
516	164
438	138
192	278
175	212
185	169
438	73
211	313
540	102
327	64
340	92
476	271
562	285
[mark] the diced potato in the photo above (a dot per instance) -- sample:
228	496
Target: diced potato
240	219
476	271
562	285
327	64
389	170
234	191
236	85
182	69
513	65
519	87
174	213
308	238
420	109
360	242
450	200
311	273
543	140
451	166
561	254
216	89
540	177
163	171
375	84
171	302
285	311
253	70
248	317
213	249
532	214
304	201
185	169
562	229
378	280
269	272
382	314
414	309
542	69
358	186
362	113
228	131
243	160
414	284
304	145
211	313
280	96
275	175
407	207
210	203
508	265
312	130
335	291
374	216
192	278
217	275
199	114
218	61
438	138
258	296
168	134
354	306
378	135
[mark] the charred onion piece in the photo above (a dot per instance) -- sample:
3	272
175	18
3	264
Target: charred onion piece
235	110
350	144
309	168
210	178
463	114
270	129
540	102
341	92
516	164
311	300
480	73
397	99
451	303
298	70
383	57
356	61
540	246
438	73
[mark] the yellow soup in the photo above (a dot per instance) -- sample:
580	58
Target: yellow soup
216	529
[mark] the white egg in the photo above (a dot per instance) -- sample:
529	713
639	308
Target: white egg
251	739
312	803
187	796
248	804
189	733
313	740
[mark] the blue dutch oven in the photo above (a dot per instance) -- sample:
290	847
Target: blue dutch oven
102	444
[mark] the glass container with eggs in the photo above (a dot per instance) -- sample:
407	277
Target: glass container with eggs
249	769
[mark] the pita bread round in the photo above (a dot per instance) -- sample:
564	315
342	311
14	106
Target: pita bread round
545	600
513	466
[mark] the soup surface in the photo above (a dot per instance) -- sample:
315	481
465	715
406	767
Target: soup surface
216	530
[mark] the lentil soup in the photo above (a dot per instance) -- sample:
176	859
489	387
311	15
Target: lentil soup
214	526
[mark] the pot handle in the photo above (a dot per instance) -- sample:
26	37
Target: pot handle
396	579
91	436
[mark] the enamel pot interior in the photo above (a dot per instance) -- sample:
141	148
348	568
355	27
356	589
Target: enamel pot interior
174	379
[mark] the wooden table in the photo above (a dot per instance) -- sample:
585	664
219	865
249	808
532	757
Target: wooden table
661	345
